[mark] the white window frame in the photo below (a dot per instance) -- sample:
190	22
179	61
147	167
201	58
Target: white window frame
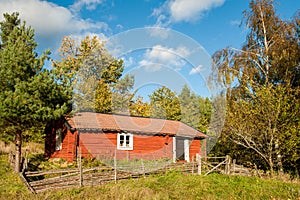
58	139
125	141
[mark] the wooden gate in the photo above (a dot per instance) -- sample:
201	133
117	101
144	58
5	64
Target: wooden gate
211	164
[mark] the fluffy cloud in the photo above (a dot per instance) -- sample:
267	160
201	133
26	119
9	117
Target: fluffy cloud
188	10
89	4
173	11
159	56
158	31
128	61
196	70
50	21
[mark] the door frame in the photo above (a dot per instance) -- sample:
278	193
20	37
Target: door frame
186	149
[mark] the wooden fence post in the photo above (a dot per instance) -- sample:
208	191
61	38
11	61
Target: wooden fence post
227	165
80	167
233	165
199	164
143	168
23	178
115	166
193	162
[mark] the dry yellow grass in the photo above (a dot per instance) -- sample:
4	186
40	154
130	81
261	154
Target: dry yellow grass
29	147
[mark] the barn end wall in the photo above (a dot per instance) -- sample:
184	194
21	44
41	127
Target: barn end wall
69	141
68	150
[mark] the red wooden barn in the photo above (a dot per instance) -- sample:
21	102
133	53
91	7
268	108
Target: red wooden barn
105	135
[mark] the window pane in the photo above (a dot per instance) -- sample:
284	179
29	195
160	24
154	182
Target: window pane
58	137
121	140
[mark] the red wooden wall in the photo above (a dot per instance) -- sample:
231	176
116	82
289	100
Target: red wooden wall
69	141
68	151
103	146
144	147
195	148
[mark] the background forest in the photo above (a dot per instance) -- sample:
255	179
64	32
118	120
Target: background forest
261	80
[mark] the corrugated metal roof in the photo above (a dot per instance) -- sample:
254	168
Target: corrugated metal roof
112	122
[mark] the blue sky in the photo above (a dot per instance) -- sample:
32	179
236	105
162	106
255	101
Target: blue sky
189	31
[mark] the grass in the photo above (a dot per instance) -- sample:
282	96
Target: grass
11	186
173	185
139	165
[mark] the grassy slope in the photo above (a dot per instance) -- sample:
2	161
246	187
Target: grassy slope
171	186
10	184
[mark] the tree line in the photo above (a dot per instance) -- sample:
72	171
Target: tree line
96	81
86	78
261	80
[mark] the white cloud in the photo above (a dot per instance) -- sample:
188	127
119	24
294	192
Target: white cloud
128	61
188	10
235	22
158	32
173	11
196	70
50	21
151	67
159	56
89	4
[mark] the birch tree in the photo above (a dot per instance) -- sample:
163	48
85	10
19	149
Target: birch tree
261	80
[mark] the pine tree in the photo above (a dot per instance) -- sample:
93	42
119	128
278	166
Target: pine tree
190	111
122	96
195	110
28	93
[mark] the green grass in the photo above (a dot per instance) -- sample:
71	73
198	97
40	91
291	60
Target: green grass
11	186
173	185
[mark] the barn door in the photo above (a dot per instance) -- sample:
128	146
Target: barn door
179	148
182	149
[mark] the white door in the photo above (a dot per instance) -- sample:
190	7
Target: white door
187	150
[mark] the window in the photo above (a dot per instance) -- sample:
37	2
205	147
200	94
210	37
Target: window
58	139
125	141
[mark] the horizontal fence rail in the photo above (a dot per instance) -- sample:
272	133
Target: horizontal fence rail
40	181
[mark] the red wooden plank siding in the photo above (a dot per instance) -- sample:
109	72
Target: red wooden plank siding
68	151
97	145
68	141
144	147
84	152
195	148
103	145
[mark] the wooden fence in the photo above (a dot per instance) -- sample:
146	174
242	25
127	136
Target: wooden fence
224	165
207	165
39	181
